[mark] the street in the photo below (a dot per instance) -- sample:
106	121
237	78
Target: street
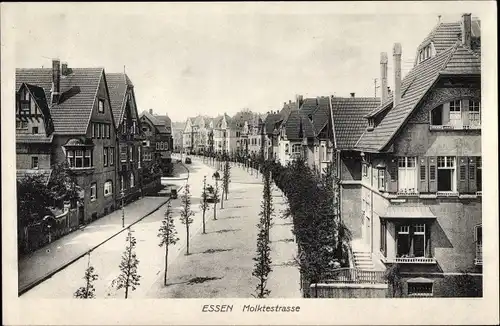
220	264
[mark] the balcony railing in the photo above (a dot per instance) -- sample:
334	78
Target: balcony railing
479	255
354	275
412	260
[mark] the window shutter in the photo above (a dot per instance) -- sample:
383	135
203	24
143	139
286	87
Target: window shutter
423	183
392	183
432	174
428	249
472	174
463	170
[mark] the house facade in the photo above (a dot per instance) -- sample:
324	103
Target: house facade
157	143
196	133
420	162
223	142
68	114
129	167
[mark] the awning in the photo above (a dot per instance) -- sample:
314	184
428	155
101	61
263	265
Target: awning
407	212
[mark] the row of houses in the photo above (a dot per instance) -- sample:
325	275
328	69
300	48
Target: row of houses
223	134
89	119
409	161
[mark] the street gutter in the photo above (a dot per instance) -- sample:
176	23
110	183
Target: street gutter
42	279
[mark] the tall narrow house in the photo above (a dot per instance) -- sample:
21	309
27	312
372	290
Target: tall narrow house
64	114
129	158
421	167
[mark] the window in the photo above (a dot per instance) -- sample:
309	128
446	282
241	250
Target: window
105	156
446	173
365	169
157	146
87	161
381	179
108	131
34	130
139	157
474	113
296	148
108	188
407	174
455	113
147	156
93	130
101	106
93	191
131	180
111	156
131	153
420	289
34	162
479	174
79	158
413	241
123	153
122	183
98	130
103	131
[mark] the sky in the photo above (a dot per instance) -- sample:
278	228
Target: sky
189	59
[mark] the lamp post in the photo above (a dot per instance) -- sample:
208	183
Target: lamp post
123	208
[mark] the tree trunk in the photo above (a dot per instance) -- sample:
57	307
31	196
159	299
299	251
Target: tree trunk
166	265
222	199
187	237
215	210
204	210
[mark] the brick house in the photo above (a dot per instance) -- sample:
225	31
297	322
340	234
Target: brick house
158	142
129	153
64	114
421	167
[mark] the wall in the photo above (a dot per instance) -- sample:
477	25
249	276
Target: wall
351	208
350	290
451	285
24	153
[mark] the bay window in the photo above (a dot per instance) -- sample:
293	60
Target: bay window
407	174
79	158
446	174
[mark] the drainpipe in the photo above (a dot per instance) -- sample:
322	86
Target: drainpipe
371	213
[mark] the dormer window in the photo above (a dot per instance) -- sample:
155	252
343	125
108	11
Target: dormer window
425	53
371	124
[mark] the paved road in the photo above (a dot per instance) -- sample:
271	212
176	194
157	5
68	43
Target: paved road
221	261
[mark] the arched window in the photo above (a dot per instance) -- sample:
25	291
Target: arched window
108	188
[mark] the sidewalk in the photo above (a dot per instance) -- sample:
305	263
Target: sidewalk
43	262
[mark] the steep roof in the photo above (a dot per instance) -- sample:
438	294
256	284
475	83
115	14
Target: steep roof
167	122
348	118
72	114
292	125
455	60
445	35
270	121
158	121
117	86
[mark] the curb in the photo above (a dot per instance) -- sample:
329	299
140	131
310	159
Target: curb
42	279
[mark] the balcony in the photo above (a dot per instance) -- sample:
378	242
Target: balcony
479	255
411	260
473	123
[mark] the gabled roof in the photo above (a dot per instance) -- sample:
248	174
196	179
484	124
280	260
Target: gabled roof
117	86
78	90
167	122
270	121
348	117
159	122
38	95
292	125
455	60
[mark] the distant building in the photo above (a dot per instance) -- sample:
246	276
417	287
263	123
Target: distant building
157	143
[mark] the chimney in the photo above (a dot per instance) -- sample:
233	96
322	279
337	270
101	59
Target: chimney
389	90
353	94
150	111
466	30
383	76
397	73
299	99
56	79
64	69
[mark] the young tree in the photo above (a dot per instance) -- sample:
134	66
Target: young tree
216	176
262	266
87	291
168	236
204	201
226	177
267	204
186	213
129	277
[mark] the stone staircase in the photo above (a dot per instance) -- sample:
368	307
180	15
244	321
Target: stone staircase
362	256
